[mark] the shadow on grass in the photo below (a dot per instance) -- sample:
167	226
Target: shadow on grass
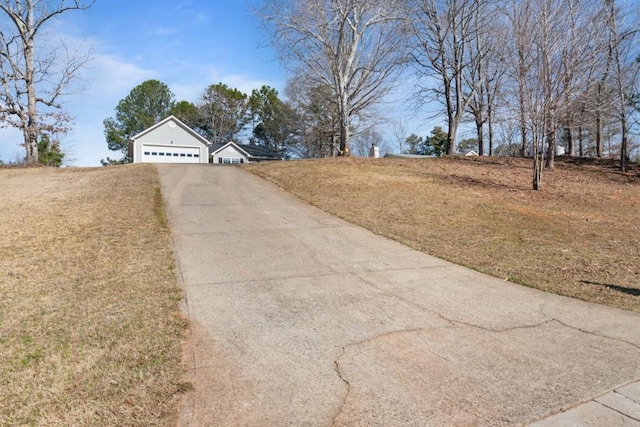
631	291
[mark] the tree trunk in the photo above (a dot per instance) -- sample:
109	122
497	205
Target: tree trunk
451	134
31	131
580	142
570	145
490	124
623	144
451	139
599	151
537	173
551	150
538	156
480	132
344	124
523	123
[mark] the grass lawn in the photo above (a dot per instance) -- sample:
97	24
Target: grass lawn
579	236
90	323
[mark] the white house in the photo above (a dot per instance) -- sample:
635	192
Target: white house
169	141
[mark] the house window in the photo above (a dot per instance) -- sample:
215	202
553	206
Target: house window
154	153
235	161
219	159
189	155
162	154
175	154
182	155
196	155
146	153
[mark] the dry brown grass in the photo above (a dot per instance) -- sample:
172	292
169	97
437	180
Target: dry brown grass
578	237
90	324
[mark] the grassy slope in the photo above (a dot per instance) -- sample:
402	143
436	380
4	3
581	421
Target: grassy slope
90	327
578	237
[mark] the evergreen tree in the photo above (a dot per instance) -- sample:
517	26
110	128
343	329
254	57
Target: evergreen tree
49	152
146	105
274	122
436	144
414	144
223	113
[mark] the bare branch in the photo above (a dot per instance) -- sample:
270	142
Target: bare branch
355	47
29	78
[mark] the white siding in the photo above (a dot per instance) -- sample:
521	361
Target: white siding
176	139
228	155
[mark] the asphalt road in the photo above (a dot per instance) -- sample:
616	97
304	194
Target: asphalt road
299	318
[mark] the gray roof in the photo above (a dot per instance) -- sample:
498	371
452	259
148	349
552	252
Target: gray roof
262	152
254	151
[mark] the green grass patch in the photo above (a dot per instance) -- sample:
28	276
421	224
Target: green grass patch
90	322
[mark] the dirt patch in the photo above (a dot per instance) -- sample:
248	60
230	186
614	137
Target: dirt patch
579	236
90	323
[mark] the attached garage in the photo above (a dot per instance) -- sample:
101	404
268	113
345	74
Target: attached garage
169	141
169	154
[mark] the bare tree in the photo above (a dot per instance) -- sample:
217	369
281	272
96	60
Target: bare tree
400	132
28	76
521	18
365	139
445	32
355	47
223	112
624	75
485	70
553	52
317	117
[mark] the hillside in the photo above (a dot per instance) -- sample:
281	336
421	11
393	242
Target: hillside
579	236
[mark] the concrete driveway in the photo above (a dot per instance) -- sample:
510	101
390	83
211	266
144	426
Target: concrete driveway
299	318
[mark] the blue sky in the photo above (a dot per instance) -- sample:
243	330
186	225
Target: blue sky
187	44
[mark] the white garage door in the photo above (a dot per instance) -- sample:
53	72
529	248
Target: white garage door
170	154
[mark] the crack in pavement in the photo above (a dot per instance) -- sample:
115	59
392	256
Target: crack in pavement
584	331
348	386
549	318
452	323
448	319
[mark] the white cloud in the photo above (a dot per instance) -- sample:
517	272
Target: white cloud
109	79
207	75
111	76
246	84
163	31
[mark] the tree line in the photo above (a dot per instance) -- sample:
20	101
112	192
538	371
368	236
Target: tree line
528	74
221	114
